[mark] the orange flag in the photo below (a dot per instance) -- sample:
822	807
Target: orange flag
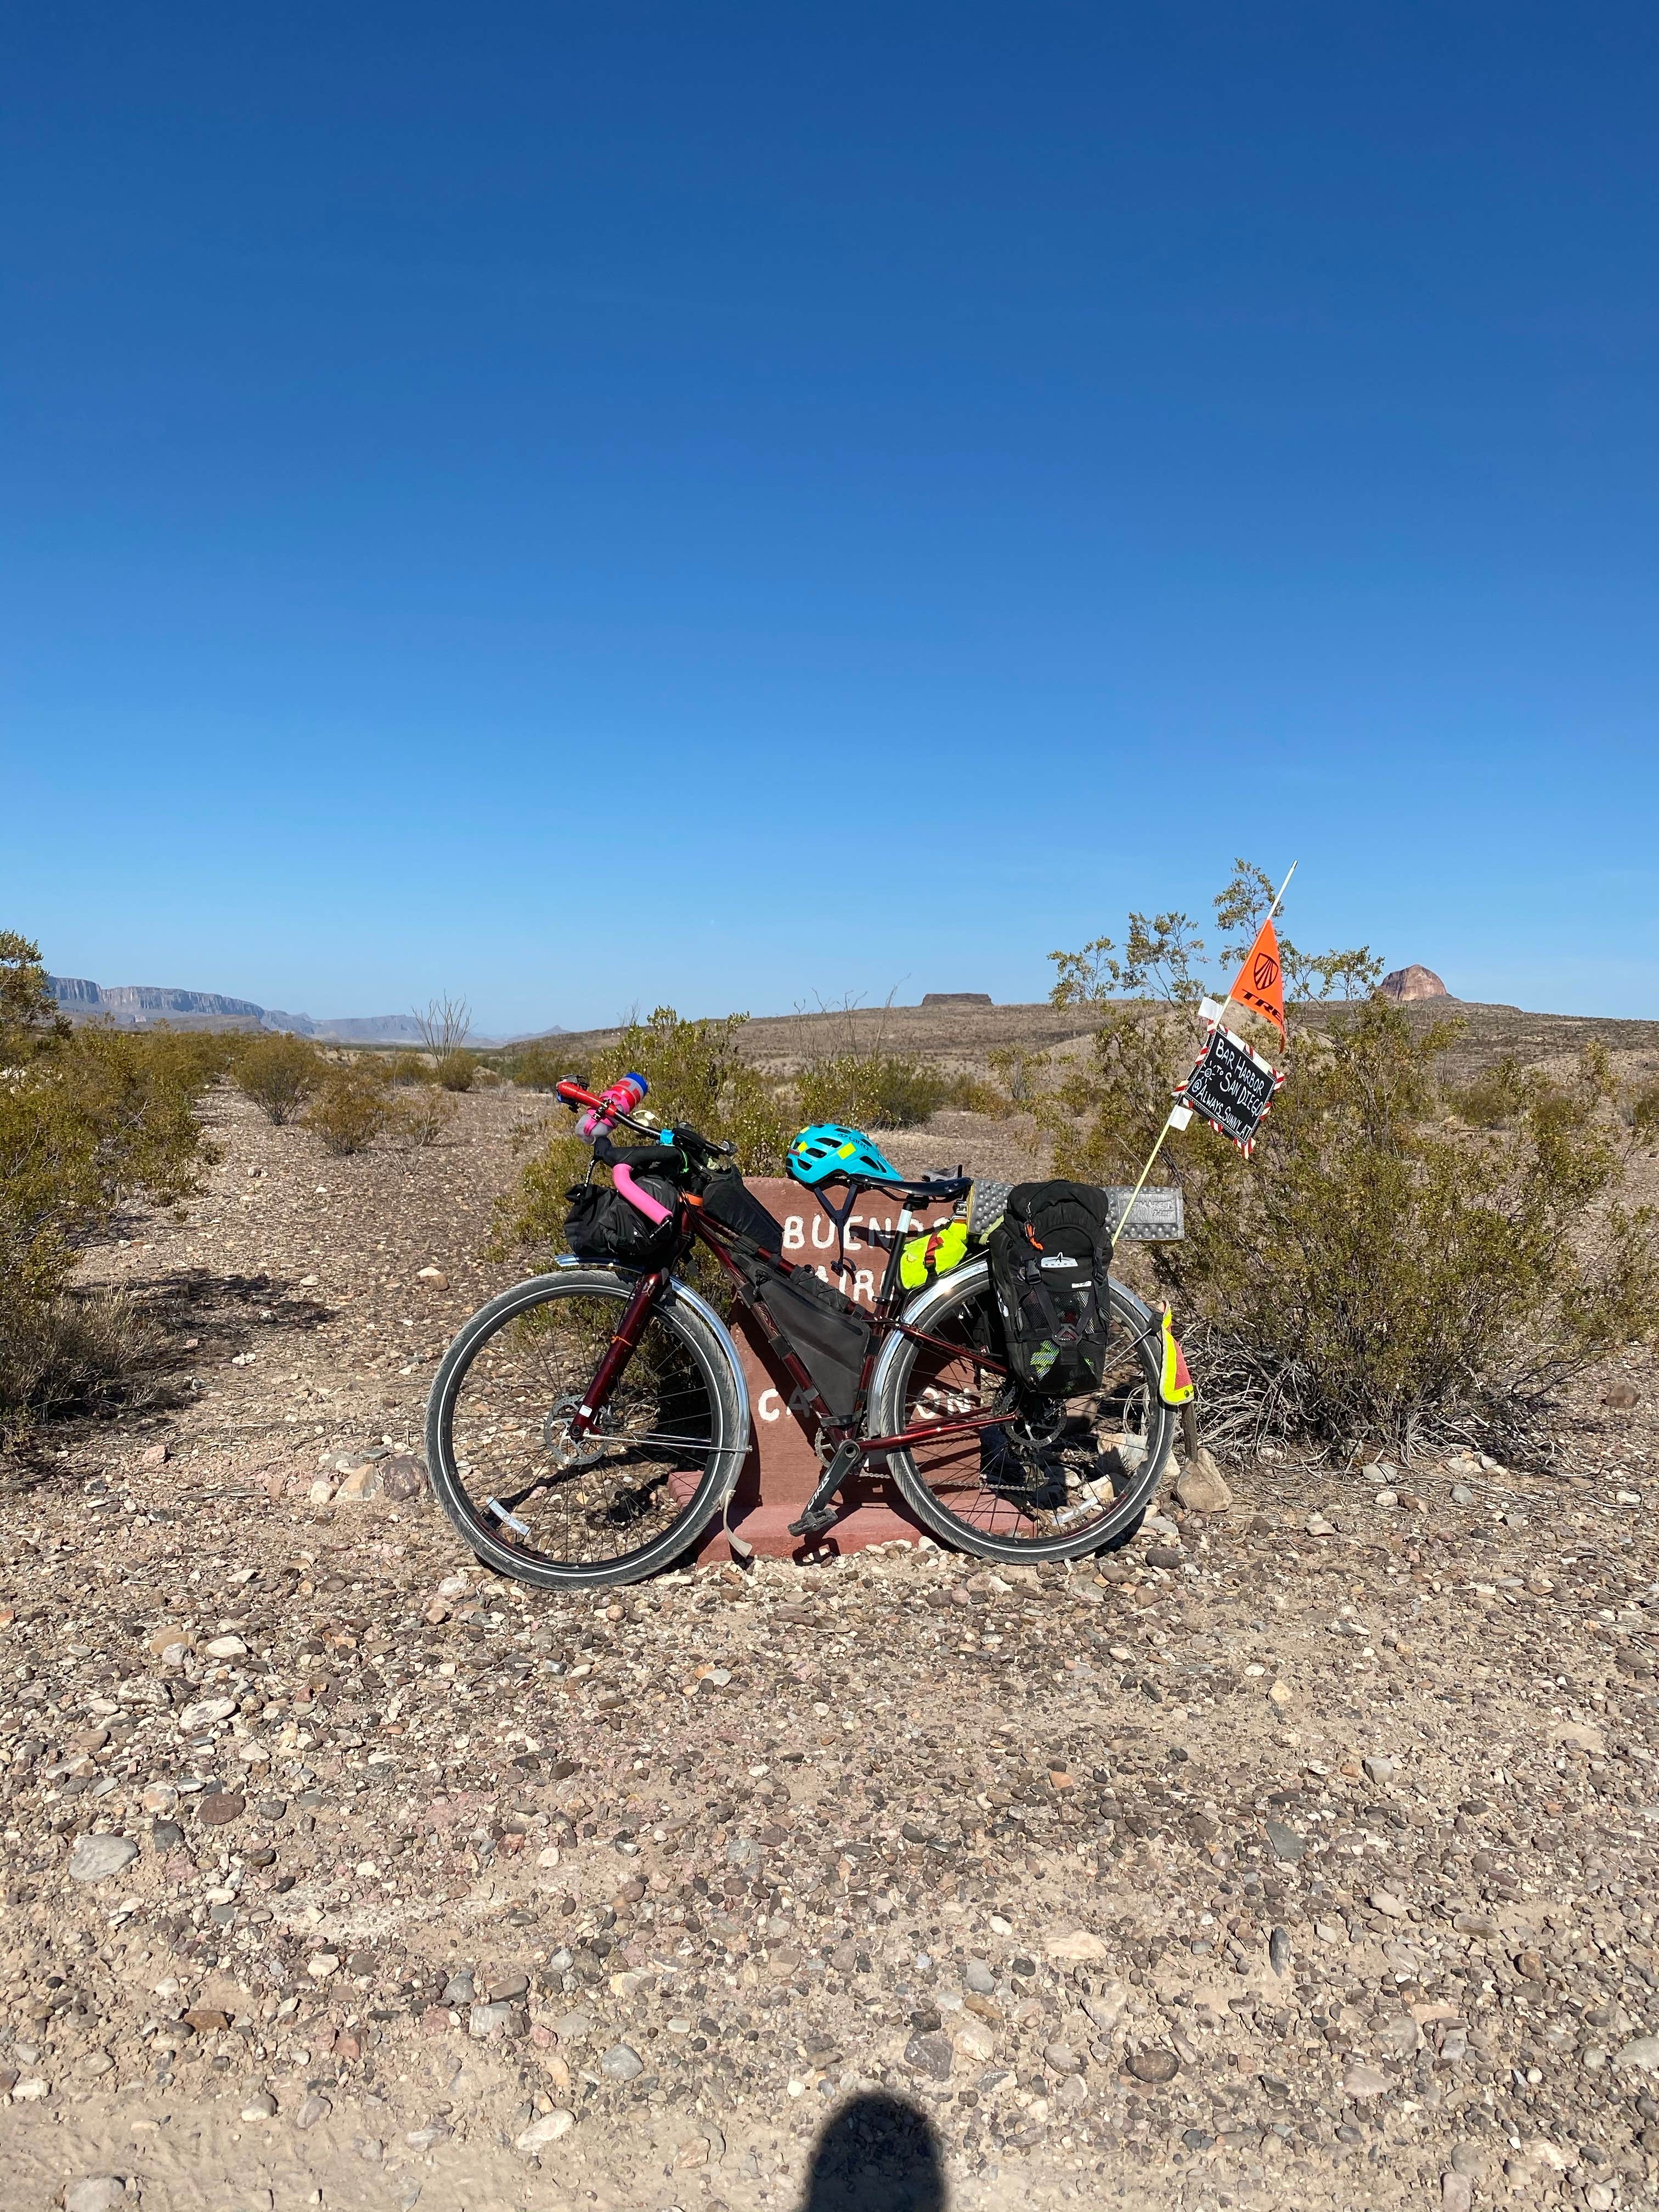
1260	984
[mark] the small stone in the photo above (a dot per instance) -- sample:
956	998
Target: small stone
1468	2158
1281	1693
1364	2082
1154	2066
402	1477
102	2193
1060	2058
225	1647
1278	1951
1385	1500
1379	1769
204	1712
1620	1395
261	2106
1200	1486
1461	1494
1403	2036
1317	1525
156	1455
313	2109
1643	2054
171	1639
321	1964
220	1809
929	2053
459	1989
1165	1555
1284	1844
96	1858
546	2130
433	1278
362	1487
979	1977
321	1492
1386	1902
574	2027
206	2020
621	2062
161	1797
1457	2193
485	2020
512	1988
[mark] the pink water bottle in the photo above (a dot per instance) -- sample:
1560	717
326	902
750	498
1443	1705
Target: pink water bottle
623	1095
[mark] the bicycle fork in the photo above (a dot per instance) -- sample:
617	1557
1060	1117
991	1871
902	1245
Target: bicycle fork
618	1351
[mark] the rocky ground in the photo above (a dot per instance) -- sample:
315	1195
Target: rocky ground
1302	1855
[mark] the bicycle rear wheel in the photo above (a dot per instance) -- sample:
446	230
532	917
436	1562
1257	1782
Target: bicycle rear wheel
1058	1478
562	1511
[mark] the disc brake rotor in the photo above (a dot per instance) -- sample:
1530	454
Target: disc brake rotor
566	1451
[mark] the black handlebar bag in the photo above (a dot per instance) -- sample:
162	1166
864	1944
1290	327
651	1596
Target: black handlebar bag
600	1225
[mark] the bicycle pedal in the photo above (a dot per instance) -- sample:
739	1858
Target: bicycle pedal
820	1513
814	1524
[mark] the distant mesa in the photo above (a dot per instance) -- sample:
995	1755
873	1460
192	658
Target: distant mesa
136	1006
1413	983
956	999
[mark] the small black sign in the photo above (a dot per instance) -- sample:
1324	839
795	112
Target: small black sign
1232	1087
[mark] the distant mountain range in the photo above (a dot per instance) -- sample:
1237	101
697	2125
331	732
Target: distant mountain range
136	1006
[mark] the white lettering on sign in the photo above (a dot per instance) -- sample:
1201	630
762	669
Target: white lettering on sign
794	1233
772	1411
826	1241
863	1284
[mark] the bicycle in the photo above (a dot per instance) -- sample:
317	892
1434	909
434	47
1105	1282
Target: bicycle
588	1425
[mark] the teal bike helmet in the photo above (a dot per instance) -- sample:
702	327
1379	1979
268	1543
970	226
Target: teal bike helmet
826	1150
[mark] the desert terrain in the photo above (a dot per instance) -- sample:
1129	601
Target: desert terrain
1299	1855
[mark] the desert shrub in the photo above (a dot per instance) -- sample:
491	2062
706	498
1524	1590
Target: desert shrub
406	1067
279	1073
1490	1099
1372	1272
456	1071
425	1116
90	1119
539	1066
351	1107
76	1352
696	1076
870	1090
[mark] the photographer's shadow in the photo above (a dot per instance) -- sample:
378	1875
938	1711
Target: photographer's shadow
878	2154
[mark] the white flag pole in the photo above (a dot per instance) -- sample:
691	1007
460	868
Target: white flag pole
1186	1112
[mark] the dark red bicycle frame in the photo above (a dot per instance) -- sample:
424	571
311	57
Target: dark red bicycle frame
886	1315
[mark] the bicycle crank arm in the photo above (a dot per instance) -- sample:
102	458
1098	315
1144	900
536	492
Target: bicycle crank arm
845	1463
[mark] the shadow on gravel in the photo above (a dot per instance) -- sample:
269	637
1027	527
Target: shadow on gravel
876	2154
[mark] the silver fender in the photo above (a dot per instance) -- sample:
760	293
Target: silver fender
919	1312
704	1311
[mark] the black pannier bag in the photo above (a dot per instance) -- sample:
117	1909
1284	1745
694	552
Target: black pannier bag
1050	1255
730	1200
600	1225
826	1332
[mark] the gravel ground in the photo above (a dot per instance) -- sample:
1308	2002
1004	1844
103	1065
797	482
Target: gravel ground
1302	1855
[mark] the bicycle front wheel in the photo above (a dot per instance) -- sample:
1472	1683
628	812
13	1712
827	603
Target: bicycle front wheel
559	1510
1058	1478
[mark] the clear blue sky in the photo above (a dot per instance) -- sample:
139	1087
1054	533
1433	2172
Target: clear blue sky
581	506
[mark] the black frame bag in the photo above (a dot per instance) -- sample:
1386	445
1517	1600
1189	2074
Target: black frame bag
1050	1258
827	1333
728	1199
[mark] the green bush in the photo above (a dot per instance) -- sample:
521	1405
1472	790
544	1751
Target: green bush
870	1090
1374	1273
351	1107
696	1076
425	1116
539	1066
279	1073
457	1069
90	1119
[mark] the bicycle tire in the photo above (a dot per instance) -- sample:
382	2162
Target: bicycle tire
934	1310
680	1313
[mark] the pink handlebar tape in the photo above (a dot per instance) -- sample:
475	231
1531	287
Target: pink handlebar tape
630	1190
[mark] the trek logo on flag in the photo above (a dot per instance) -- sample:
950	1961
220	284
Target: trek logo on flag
1260	982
